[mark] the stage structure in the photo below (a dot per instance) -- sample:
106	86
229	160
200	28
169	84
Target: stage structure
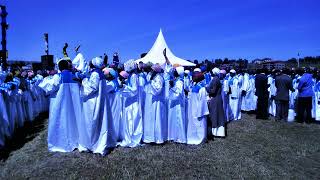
47	60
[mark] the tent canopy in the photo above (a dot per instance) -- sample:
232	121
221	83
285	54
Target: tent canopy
155	55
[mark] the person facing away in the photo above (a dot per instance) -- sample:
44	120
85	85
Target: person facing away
283	83
65	110
96	110
217	115
305	94
131	124
155	127
197	111
176	113
261	85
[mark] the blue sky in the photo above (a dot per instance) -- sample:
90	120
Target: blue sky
194	29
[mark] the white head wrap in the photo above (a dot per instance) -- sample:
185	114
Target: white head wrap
233	71
97	62
180	70
129	65
215	70
197	70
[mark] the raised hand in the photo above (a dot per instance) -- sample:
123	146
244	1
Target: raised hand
165	52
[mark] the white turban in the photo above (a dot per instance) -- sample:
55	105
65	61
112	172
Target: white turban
130	65
197	70
215	70
180	70
97	62
233	71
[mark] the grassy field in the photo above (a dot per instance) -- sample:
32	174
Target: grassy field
253	149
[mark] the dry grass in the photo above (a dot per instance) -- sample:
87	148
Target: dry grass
253	149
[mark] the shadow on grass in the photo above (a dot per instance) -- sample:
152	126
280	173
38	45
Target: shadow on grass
23	135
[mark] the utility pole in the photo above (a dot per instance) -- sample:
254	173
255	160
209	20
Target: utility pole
4	27
298	60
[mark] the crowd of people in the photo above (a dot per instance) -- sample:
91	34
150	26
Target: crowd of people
95	106
21	100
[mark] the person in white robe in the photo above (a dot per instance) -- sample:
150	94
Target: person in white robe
272	93
155	125
251	93
313	110
197	111
18	101
65	110
115	100
225	94
247	93
176	113
96	111
29	98
317	101
80	63
131	129
235	95
4	120
142	79
9	99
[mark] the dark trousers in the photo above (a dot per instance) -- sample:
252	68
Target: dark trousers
262	107
304	105
282	109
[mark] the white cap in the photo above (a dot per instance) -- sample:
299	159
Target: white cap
130	65
197	70
180	70
233	71
97	62
215	70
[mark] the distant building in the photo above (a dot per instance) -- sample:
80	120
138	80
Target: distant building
267	64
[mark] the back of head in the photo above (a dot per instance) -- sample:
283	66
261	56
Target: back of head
63	65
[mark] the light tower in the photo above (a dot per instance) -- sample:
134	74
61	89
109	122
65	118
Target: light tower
4	28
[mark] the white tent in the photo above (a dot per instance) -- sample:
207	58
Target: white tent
155	55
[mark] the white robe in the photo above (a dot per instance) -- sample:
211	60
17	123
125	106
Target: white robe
225	96
176	114
96	113
317	101
9	99
155	123
131	129
115	100
235	98
142	93
29	98
197	120
247	100
313	110
272	92
4	122
64	114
